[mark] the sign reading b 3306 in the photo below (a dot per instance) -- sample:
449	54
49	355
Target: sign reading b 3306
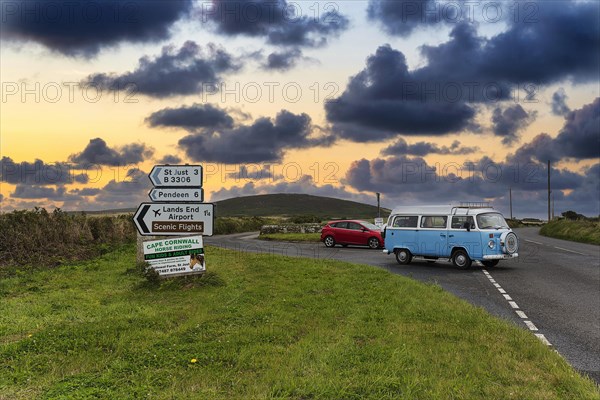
176	176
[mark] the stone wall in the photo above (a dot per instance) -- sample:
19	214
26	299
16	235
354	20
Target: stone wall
291	228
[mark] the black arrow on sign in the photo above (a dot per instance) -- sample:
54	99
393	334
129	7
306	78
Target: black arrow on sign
140	219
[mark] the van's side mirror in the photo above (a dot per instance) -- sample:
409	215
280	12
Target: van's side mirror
467	226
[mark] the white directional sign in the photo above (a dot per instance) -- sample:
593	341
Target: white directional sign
177	194
173	219
176	176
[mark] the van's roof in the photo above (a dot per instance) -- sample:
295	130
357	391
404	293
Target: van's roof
446	209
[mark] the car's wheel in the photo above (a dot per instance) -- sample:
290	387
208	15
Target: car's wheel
403	256
373	243
461	259
490	263
329	241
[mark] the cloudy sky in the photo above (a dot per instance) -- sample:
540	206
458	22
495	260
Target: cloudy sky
422	101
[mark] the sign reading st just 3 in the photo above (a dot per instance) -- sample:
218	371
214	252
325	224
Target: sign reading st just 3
178	206
176	176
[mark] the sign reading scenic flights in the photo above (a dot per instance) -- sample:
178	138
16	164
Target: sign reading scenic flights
178	256
176	176
172	219
177	194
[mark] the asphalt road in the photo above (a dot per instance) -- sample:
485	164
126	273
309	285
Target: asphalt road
552	289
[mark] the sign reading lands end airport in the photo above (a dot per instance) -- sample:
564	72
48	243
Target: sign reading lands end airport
177	256
174	219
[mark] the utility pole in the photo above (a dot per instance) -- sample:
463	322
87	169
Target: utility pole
552	205
378	207
549	191
510	199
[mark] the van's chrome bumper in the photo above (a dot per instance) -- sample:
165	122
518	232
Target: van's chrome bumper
500	256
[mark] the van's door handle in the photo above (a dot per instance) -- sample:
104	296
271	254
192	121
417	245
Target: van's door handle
442	235
450	235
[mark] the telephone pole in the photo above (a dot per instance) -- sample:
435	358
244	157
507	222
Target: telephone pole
549	191
378	207
510	200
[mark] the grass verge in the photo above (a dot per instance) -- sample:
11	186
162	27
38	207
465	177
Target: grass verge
262	326
292	237
579	231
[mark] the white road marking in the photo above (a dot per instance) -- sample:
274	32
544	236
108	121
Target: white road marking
533	241
543	339
531	326
521	314
570	251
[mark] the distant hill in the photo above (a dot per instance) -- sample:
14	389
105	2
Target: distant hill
287	205
296	204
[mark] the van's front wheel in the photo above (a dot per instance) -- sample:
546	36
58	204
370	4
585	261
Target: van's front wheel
461	259
403	256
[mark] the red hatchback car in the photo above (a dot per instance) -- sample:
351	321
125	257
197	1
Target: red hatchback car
354	232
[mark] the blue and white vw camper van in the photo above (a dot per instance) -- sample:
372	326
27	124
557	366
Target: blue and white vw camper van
460	233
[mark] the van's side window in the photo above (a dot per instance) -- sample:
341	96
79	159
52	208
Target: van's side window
458	222
406	221
433	222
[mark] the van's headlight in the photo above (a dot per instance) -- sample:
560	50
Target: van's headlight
491	244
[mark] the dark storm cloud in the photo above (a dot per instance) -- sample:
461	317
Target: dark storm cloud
509	122
182	71
255	172
283	60
170	159
280	22
266	140
38	192
413	179
401	147
98	152
127	192
402	17
579	138
386	99
191	118
39	173
559	103
83	28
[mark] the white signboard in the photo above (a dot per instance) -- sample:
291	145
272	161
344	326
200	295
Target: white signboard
174	219
176	176
379	222
176	256
177	194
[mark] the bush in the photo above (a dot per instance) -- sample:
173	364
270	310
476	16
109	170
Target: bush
304	219
579	231
40	238
229	225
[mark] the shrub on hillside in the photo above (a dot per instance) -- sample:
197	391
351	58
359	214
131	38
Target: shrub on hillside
41	238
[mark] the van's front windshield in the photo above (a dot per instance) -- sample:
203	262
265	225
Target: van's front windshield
491	221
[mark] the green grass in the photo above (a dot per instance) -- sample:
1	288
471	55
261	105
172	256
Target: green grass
578	231
292	237
262	326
